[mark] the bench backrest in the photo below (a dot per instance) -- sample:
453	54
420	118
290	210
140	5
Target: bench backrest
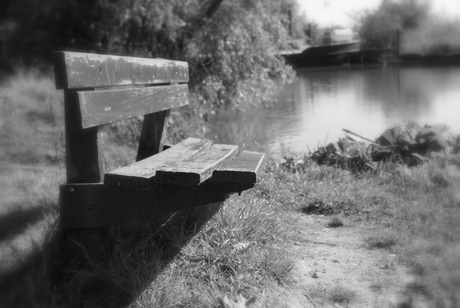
100	89
104	88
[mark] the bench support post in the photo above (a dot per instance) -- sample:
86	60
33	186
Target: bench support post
84	152
152	134
84	164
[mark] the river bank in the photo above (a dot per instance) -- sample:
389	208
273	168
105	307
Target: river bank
316	228
271	242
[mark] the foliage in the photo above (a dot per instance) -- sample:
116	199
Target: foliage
433	37
229	45
242	40
378	28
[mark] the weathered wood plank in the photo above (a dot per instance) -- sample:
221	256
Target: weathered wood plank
98	205
104	106
150	142
139	175
75	70
84	152
197	168
242	169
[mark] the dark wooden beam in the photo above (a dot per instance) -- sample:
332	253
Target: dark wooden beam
84	151
150	142
99	205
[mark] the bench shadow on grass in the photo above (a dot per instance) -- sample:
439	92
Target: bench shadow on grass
21	230
60	274
18	220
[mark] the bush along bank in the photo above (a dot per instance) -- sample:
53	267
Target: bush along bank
408	143
410	209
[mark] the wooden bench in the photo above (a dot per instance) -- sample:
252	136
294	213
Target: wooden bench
99	89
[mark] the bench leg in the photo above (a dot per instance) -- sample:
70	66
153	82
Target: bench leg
80	246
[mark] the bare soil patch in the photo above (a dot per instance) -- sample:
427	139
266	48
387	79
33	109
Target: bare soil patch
334	267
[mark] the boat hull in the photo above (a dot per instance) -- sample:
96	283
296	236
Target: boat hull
333	54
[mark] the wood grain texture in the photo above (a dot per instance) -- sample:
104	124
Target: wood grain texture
75	70
140	174
105	106
196	169
150	142
242	169
84	152
99	205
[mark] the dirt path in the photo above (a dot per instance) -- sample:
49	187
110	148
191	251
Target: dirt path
334	268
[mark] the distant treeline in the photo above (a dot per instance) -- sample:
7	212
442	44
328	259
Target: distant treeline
421	33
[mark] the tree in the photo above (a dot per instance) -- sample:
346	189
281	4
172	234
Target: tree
230	45
377	28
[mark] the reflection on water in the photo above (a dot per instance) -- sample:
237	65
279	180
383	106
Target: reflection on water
316	108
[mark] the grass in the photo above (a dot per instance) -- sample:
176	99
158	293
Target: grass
335	295
384	240
335	223
29	119
341	295
240	250
413	211
194	258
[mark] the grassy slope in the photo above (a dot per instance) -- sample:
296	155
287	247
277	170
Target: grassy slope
415	212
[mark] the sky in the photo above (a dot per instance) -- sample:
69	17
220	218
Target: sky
340	12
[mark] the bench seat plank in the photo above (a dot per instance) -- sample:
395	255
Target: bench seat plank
95	108
197	168
93	205
242	169
139	174
75	70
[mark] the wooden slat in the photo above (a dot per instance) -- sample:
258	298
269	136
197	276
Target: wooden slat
197	168
84	152
104	106
150	141
98	205
75	70
140	174
242	169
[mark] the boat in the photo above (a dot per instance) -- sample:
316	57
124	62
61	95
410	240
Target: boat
337	47
332	54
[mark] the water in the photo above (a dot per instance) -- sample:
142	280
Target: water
314	110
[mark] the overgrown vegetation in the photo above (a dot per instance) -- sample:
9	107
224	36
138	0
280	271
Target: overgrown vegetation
420	33
433	37
240	250
414	212
377	28
229	45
